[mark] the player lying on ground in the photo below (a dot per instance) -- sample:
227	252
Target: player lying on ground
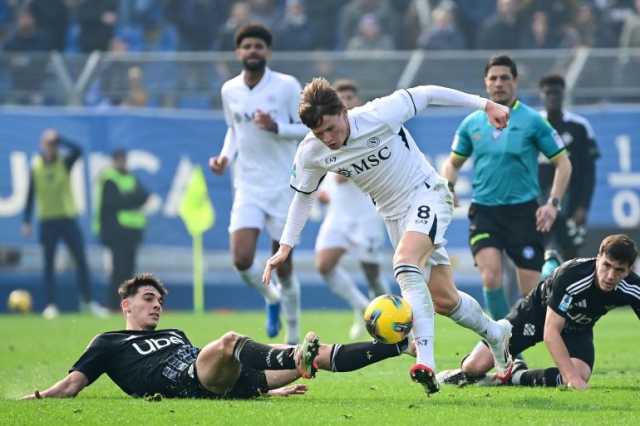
144	361
561	311
370	146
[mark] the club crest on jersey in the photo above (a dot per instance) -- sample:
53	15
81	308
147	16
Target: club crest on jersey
476	136
373	141
565	303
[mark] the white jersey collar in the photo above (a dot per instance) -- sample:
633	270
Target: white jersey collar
263	81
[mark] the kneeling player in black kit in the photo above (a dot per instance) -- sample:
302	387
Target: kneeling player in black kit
561	311
144	361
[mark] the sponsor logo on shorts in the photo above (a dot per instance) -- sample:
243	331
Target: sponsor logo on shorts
529	329
528	252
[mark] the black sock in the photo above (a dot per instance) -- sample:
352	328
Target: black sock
263	357
549	377
354	356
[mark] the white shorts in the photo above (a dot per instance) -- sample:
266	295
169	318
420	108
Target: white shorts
365	236
430	213
263	213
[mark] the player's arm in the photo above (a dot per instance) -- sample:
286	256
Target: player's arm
28	208
219	163
553	325
423	96
451	169
297	216
68	387
587	177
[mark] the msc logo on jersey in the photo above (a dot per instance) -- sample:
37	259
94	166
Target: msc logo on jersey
366	163
373	141
148	346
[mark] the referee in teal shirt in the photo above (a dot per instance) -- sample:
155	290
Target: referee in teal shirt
504	214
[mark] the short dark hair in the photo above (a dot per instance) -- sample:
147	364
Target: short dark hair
502	60
130	287
619	247
256	31
345	84
552	80
318	99
119	153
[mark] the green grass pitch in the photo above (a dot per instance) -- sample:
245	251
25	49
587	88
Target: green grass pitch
34	353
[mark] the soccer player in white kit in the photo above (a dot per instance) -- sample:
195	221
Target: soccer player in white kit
261	110
369	146
351	223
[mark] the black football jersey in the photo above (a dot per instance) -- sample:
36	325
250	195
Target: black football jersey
571	291
139	362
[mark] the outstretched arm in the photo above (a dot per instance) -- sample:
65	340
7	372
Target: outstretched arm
553	326
68	387
296	219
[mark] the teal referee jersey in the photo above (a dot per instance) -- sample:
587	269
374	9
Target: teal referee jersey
505	161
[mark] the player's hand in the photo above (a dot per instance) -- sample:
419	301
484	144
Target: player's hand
218	164
26	230
275	261
28	397
580	216
264	121
577	383
498	114
545	216
289	390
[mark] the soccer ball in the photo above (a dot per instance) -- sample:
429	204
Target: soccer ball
388	318
19	301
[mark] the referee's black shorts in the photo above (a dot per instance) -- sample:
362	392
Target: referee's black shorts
527	318
511	228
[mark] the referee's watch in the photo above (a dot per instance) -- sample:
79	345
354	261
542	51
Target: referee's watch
555	202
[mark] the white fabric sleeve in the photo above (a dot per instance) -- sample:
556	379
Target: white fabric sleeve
299	210
424	96
294	129
229	148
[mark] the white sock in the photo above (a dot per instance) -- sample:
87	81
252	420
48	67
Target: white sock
290	297
340	283
253	278
414	289
470	315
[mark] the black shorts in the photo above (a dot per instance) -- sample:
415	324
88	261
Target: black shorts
250	384
511	228
527	318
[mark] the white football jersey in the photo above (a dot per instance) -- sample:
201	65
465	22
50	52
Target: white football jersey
263	158
346	201
380	157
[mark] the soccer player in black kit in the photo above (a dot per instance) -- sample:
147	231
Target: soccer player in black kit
144	361
578	136
561	311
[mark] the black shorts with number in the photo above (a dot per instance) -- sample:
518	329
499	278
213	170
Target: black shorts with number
250	384
511	228
527	318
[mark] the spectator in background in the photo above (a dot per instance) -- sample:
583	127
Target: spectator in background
443	34
119	221
293	32
52	16
239	16
538	35
587	29
137	96
97	20
265	12
353	12
630	36
324	17
27	61
50	186
470	15
370	36
502	30
196	22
